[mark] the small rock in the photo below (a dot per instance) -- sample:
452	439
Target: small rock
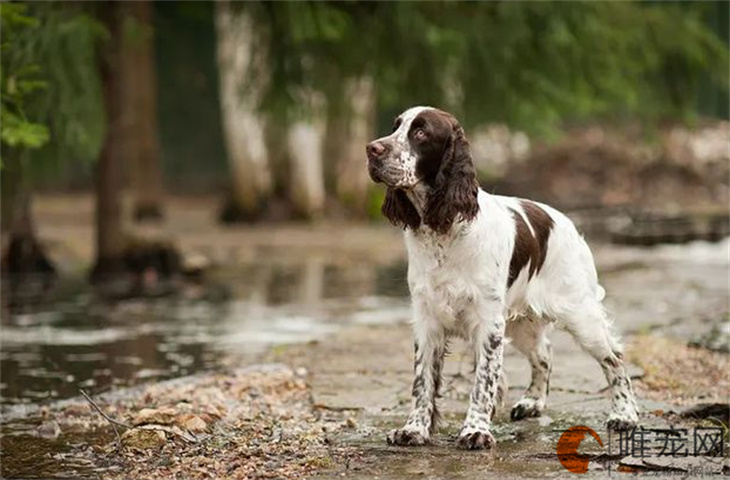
191	423
214	411
50	430
173	430
162	416
143	439
350	423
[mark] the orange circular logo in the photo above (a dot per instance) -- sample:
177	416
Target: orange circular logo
568	445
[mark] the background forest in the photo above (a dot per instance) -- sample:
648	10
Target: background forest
272	103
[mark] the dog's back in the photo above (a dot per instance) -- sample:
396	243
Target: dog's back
566	279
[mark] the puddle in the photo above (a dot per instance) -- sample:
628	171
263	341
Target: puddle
67	339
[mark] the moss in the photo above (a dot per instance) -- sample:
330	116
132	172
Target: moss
323	462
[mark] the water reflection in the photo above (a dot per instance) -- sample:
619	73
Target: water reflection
70	338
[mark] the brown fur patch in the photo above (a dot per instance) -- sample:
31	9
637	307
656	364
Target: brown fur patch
455	190
528	247
399	210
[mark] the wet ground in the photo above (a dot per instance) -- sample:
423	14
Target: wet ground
332	300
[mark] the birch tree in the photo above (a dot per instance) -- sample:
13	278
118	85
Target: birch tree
241	86
350	126
305	143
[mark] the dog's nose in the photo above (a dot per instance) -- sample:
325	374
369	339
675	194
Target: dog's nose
375	149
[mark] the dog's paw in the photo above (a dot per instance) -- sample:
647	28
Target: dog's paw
475	440
526	407
621	423
407	438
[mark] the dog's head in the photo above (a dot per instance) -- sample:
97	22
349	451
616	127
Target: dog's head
427	148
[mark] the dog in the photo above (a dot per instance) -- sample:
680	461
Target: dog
486	268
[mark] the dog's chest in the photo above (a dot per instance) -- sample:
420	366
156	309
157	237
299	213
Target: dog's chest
444	277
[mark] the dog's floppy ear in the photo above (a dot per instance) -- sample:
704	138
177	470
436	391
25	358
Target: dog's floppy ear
399	210
456	190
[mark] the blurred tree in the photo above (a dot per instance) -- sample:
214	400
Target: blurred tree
50	109
530	65
552	63
54	75
130	261
305	128
259	142
139	110
243	126
350	126
19	79
305	146
110	239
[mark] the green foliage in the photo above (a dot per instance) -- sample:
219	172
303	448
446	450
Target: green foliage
532	65
376	197
50	75
18	80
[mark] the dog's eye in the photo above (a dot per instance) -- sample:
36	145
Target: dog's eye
419	134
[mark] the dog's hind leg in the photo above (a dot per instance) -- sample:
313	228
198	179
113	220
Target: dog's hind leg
530	337
592	329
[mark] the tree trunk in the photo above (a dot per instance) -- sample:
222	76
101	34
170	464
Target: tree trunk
24	254
243	125
306	178
278	157
110	242
350	126
12	183
139	110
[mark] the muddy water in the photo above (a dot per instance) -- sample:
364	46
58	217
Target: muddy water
70	337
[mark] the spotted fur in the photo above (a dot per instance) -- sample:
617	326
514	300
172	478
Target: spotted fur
486	268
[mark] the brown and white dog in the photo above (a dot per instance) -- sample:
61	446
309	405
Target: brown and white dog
484	267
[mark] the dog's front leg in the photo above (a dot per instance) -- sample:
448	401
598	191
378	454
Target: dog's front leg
488	341
428	363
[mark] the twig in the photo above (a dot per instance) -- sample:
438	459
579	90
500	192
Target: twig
106	417
333	408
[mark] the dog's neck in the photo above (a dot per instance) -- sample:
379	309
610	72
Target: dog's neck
418	195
